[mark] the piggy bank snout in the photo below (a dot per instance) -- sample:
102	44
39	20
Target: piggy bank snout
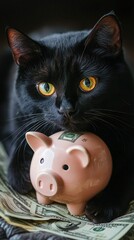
48	184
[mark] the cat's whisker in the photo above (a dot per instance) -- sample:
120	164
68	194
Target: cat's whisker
118	119
113	111
16	133
25	127
18	148
110	125
17	130
90	122
104	119
26	117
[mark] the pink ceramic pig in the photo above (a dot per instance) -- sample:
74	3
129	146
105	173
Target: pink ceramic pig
69	168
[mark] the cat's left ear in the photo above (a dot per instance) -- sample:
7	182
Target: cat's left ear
23	48
106	35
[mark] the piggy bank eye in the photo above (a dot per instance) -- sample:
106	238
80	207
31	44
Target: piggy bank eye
42	160
65	167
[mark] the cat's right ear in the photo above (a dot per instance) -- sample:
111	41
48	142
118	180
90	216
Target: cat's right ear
106	36
23	48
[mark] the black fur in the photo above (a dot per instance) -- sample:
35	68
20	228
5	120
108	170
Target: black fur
107	110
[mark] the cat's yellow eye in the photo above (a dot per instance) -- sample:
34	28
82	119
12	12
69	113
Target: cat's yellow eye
46	89
88	84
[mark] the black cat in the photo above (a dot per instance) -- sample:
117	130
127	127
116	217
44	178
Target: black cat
76	81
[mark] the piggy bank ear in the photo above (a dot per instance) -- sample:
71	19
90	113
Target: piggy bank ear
37	140
81	153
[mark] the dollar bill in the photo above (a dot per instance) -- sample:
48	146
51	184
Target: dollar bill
24	211
74	229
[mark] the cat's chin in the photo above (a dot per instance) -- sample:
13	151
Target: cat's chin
70	126
66	126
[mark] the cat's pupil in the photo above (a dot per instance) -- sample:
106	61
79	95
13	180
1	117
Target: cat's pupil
87	82
46	87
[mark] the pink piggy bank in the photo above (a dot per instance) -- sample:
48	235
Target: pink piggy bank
69	168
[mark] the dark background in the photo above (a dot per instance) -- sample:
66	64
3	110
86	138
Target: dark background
61	15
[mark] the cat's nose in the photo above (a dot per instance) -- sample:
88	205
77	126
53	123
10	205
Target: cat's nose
68	110
66	107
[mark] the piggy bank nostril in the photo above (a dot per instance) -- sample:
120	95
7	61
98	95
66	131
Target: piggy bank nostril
51	187
40	184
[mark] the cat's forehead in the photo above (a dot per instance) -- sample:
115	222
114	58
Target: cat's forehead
64	39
